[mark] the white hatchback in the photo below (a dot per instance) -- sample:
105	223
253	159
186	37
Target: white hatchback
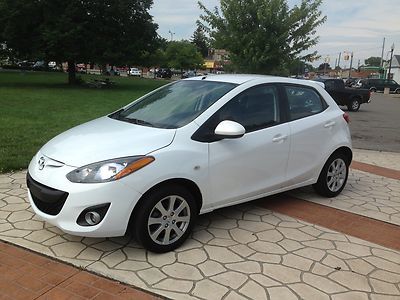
134	72
188	148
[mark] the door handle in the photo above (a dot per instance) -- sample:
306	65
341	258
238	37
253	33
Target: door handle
279	138
329	124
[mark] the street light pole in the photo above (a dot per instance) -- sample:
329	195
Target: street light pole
351	64
390	62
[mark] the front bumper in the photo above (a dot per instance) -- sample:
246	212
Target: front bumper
60	202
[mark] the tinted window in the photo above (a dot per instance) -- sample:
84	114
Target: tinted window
255	108
174	105
329	85
303	102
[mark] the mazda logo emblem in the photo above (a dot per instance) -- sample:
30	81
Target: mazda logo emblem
41	163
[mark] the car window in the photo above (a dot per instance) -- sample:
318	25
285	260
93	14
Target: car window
254	109
338	85
303	102
329	85
174	105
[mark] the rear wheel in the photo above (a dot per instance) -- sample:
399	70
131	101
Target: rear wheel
373	90
165	218
397	91
333	177
354	104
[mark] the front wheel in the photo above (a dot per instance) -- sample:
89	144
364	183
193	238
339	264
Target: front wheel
333	176
354	105
165	218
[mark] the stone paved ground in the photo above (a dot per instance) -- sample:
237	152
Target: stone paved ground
243	252
384	159
366	194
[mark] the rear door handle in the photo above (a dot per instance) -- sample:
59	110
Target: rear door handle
329	124
279	137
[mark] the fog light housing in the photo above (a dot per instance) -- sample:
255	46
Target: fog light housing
92	218
93	215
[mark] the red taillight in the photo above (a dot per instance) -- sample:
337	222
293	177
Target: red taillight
346	117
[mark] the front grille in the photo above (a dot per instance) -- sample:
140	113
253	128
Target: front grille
46	199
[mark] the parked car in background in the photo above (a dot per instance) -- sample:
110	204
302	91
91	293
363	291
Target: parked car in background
375	85
25	64
350	97
80	68
52	65
134	72
188	74
188	148
164	73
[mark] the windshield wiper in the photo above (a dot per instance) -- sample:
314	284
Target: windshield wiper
137	121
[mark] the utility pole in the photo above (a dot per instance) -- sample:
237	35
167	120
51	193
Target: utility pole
340	55
383	49
351	64
390	62
171	33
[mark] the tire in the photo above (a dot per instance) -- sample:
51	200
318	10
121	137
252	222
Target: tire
373	90
397	91
354	104
333	176
160	227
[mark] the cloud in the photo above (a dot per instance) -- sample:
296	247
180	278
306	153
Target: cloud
356	25
178	16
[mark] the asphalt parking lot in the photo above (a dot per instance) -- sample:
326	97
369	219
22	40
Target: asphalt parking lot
376	125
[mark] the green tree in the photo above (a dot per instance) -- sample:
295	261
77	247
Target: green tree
373	61
199	39
264	36
102	31
299	67
183	55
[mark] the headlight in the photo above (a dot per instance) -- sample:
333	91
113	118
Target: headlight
109	170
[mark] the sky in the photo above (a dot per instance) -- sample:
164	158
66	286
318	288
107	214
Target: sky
357	26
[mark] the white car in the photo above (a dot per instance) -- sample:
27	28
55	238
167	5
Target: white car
134	72
188	148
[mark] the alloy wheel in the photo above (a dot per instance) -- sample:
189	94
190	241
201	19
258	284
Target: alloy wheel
336	175
168	220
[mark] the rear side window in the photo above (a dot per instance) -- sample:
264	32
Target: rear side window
303	102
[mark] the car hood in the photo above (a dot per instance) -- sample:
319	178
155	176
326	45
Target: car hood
103	139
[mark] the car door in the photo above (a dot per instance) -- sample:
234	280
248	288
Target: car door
255	163
311	125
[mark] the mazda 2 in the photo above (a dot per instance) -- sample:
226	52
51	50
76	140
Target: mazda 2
188	148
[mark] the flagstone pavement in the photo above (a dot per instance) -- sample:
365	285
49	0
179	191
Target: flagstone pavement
242	252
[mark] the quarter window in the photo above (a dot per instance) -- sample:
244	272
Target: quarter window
254	109
303	102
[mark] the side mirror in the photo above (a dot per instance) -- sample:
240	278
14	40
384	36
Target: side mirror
229	130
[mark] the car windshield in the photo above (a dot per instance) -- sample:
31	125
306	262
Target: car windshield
174	105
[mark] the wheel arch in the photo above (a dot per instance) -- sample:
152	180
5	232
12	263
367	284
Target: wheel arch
187	183
348	153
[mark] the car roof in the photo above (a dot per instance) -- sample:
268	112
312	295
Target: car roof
245	78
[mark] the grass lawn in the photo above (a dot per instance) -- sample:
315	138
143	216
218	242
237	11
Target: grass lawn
36	106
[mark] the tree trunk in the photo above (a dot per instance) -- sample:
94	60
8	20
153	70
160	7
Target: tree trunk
71	72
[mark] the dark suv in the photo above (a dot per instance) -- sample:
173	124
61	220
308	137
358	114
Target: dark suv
379	85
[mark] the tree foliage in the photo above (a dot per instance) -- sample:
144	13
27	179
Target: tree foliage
373	61
263	36
200	40
101	31
324	66
183	55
